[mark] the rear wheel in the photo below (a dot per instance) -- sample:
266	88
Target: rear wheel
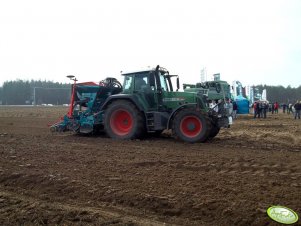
123	120
191	126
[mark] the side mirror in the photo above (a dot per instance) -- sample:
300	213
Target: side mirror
151	78
178	83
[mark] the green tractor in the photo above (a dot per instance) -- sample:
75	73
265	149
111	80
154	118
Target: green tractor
148	103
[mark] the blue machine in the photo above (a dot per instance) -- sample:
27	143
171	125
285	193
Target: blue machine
242	104
85	114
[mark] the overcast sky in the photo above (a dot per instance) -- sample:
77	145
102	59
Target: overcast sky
254	42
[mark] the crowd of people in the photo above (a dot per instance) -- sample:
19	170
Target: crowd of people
261	108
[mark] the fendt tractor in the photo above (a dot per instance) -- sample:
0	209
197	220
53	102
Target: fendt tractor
147	103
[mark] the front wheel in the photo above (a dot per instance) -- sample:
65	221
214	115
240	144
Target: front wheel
214	131
123	120
191	126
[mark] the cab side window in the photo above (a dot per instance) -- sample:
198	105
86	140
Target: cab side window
141	82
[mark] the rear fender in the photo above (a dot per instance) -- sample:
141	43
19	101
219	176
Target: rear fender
175	111
128	97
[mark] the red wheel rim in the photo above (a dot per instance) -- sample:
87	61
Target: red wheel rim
121	122
191	126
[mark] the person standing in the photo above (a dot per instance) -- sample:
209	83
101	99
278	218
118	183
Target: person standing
273	108
290	108
276	107
254	109
229	105
265	107
235	108
261	106
297	107
284	108
259	109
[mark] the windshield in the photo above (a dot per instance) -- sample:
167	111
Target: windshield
127	82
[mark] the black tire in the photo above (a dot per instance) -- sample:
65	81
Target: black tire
214	131
191	126
122	120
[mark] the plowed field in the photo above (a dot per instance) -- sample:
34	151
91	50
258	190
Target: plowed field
68	179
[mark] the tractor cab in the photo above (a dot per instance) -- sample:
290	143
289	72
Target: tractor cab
152	87
155	79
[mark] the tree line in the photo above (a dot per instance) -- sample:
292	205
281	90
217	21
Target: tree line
21	92
281	94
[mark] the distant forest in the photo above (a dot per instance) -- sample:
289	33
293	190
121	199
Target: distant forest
34	92
281	94
46	92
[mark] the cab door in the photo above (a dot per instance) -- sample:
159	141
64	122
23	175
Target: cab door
145	91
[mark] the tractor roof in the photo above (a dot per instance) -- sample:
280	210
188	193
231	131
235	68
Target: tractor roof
135	72
143	71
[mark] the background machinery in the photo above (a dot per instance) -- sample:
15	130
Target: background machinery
148	103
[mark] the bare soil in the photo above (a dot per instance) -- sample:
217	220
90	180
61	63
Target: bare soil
68	179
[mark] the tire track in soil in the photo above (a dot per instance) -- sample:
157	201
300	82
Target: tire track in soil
64	213
260	142
229	181
289	172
